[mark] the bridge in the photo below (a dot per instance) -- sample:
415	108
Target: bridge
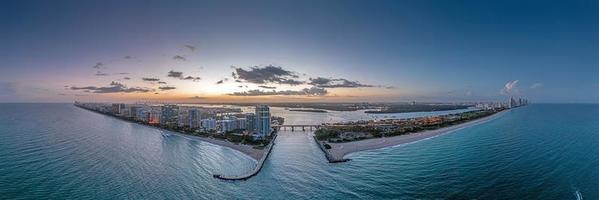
293	127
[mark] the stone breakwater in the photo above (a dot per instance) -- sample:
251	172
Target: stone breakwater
255	171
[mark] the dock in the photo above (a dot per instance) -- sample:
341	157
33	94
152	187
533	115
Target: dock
252	173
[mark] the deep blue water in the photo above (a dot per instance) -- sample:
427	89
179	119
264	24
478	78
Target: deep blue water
58	151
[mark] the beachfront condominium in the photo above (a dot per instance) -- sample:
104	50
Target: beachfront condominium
263	120
170	114
209	124
194	118
250	122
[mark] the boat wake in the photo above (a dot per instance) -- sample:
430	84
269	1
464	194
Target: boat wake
578	194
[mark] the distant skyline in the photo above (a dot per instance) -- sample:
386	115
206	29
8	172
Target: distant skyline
299	51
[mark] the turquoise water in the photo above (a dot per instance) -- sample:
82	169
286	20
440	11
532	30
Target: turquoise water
57	151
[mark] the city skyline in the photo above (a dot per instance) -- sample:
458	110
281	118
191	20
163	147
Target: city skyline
284	51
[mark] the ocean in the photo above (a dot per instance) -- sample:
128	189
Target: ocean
58	151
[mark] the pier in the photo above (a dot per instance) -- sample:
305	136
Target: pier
254	171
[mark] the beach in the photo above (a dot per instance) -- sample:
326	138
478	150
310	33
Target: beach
248	150
340	150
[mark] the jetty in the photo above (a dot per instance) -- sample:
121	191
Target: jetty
329	157
252	173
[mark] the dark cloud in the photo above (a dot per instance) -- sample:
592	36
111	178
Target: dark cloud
126	78
267	87
192	78
179	75
99	73
190	47
267	74
313	91
150	79
175	74
123	73
98	65
219	82
127	57
336	83
179	58
114	87
161	82
167	88
62	94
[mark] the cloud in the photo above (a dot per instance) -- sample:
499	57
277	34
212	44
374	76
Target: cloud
175	74
336	83
123	73
190	47
267	74
179	58
179	75
127	57
536	85
98	65
150	79
99	73
510	87
219	82
313	91
192	78
197	97
126	78
114	87
167	88
267	87
161	82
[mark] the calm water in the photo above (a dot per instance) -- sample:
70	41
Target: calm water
57	151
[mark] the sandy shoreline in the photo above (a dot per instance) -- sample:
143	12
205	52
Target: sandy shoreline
339	150
248	150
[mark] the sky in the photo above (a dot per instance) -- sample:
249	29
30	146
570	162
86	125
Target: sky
299	51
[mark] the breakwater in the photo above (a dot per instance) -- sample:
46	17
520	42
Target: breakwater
255	171
327	155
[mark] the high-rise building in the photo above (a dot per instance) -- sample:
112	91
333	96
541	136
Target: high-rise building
170	114
194	118
209	124
250	122
118	108
133	111
263	120
154	117
183	118
241	123
512	103
228	124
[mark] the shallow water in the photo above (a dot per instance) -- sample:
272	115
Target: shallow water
58	151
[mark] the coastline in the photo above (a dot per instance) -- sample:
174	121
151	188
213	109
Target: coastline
340	150
255	154
256	169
